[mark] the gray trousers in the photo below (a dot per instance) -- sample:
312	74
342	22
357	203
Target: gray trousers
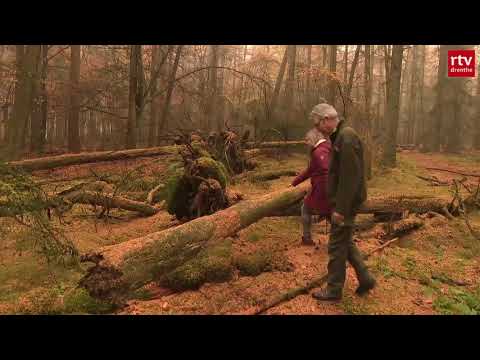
306	222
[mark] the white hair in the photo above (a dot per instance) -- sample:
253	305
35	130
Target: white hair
320	111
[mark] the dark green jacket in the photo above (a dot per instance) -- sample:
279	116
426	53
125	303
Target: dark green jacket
347	188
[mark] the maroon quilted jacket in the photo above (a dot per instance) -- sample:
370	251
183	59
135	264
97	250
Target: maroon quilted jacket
317	171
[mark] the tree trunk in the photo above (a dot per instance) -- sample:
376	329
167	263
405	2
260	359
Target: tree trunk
391	116
332	68
171	86
74	111
132	124
454	110
122	268
278	83
25	77
289	89
388	206
435	133
412	102
110	202
36	131
420	129
212	100
52	162
154	104
345	66
348	91
308	95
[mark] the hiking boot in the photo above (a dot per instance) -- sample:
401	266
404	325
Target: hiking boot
325	295
307	241
366	287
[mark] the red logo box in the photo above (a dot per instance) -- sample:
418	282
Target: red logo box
461	63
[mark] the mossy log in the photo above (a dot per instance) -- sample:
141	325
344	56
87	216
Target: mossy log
267	175
389	205
402	227
51	162
300	145
120	269
110	201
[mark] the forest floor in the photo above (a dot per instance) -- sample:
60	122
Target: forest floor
418	275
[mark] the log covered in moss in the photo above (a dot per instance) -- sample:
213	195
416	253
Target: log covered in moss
52	162
389	205
120	269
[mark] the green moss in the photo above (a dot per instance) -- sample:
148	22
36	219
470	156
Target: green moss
80	302
210	168
210	265
177	189
261	261
458	302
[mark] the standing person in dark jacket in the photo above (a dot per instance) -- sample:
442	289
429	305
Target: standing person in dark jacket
346	192
325	119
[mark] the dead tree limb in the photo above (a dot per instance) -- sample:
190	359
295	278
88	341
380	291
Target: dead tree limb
454	172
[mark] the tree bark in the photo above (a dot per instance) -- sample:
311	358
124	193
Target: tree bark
394	205
132	123
122	268
171	86
348	91
52	162
74	111
393	102
289	90
109	201
308	95
212	101
278	83
332	68
420	131
154	105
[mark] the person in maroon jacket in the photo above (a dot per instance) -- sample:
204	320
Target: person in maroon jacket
325	118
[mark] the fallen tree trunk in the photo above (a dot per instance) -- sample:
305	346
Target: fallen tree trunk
51	162
119	269
266	175
109	201
301	145
388	205
402	227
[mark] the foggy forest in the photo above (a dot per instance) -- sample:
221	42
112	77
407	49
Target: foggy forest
156	179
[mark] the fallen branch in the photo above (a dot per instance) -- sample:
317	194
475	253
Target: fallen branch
305	289
151	197
454	172
433	180
402	227
109	202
